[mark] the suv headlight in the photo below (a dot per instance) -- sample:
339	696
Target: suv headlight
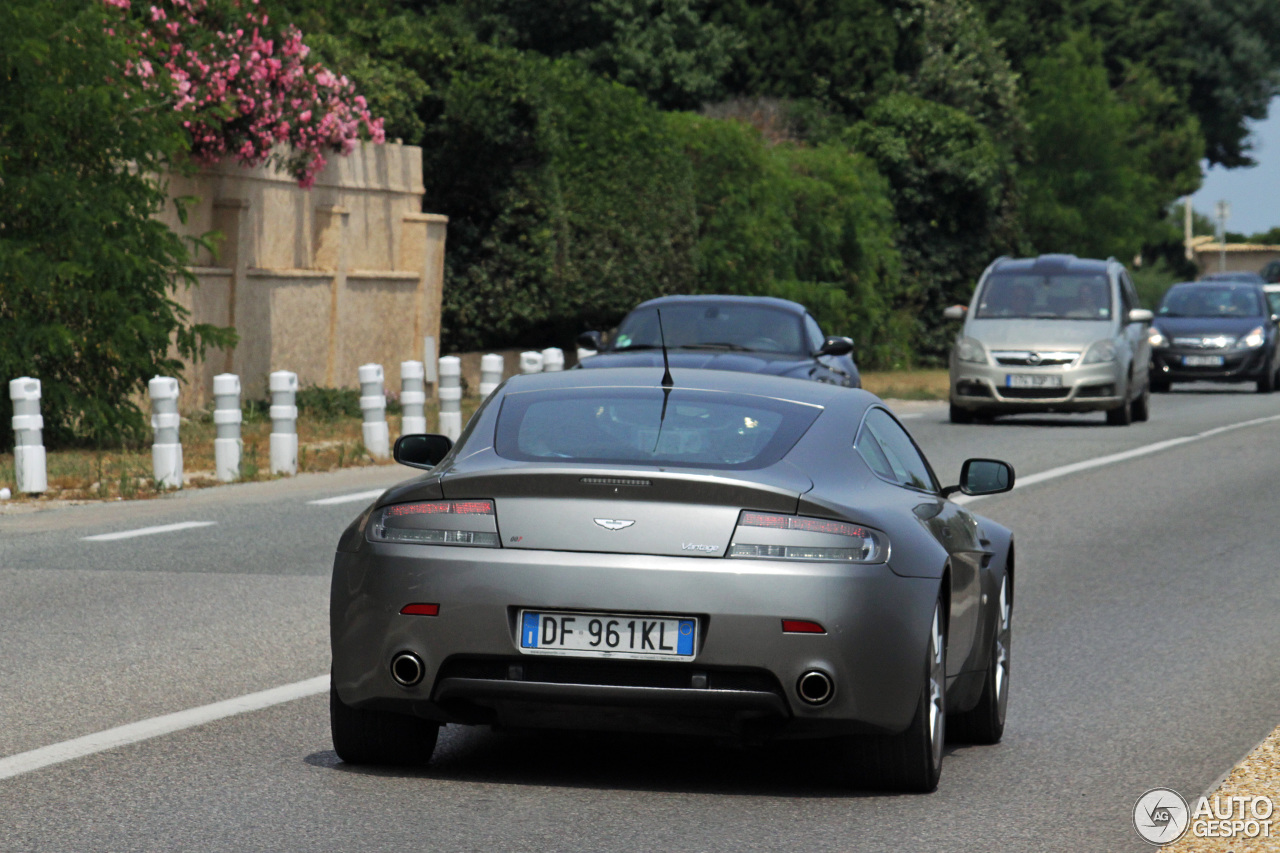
1100	353
971	350
1253	340
1156	338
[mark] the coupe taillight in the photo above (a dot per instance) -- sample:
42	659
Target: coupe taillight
471	523
775	536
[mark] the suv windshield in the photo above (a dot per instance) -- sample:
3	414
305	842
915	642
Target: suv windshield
642	426
1061	296
1210	300
715	326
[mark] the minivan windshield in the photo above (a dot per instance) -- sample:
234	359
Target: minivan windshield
1059	296
1211	300
650	426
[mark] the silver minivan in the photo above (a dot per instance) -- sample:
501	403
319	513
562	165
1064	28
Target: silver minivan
1055	333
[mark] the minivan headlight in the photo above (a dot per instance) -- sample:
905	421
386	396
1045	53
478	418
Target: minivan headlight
971	350
1101	352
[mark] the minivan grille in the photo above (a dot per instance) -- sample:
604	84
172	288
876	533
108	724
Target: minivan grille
1021	358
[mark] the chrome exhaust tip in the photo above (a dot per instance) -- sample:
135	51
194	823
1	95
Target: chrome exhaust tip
816	687
407	669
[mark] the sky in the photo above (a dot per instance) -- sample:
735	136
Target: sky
1254	194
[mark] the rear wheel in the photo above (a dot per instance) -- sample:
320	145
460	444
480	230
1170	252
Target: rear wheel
960	415
379	737
985	722
912	760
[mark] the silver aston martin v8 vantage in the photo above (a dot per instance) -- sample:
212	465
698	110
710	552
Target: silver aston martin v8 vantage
703	552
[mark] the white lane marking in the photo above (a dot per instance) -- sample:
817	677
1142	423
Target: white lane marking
347	499
25	762
147	531
1146	450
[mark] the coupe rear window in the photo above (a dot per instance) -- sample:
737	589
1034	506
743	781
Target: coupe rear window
644	426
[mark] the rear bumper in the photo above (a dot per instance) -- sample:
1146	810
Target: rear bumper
742	680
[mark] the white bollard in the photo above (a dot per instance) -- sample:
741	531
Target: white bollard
373	406
29	461
226	420
492	366
530	362
450	392
284	422
166	451
413	398
585	353
552	360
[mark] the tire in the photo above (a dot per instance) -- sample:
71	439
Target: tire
1160	386
960	416
910	761
1121	415
1267	383
1140	408
379	737
984	723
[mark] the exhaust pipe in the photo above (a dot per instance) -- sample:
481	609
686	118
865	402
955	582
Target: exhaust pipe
407	669
816	687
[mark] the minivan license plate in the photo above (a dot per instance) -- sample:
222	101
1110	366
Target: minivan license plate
1032	380
607	635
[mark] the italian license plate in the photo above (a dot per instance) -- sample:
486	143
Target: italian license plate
1202	361
607	635
1032	380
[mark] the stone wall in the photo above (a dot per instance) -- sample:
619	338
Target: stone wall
315	281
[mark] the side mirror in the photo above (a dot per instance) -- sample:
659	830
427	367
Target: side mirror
591	340
836	345
955	312
983	477
1140	315
421	451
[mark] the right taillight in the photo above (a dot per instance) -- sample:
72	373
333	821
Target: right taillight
470	523
773	536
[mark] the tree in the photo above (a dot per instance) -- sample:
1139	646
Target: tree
86	272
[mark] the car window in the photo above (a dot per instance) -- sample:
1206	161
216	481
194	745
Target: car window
1060	296
726	325
1273	296
891	453
1211	300
647	426
1128	296
814	333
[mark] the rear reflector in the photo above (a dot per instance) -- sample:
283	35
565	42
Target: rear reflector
800	626
421	610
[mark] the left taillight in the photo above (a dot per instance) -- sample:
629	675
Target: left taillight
470	523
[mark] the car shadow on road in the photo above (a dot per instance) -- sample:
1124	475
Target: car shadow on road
633	762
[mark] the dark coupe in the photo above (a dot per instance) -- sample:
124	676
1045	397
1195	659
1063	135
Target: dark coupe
752	334
1215	330
726	555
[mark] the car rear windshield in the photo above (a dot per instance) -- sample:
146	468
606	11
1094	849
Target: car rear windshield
1211	300
728	326
1060	296
646	426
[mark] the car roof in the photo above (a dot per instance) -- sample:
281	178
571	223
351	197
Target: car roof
1049	264
731	381
726	299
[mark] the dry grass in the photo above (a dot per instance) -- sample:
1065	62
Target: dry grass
112	474
907	384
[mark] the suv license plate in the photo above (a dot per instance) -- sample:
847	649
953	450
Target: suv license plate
1032	380
607	635
1202	361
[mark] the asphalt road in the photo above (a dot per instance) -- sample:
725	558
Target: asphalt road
1145	654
